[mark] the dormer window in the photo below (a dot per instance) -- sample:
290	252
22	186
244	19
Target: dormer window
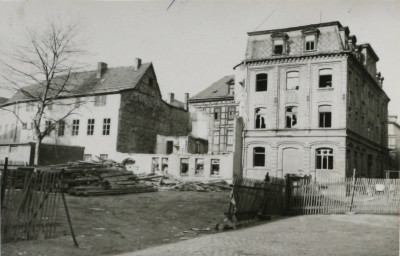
278	46
279	40
310	42
310	37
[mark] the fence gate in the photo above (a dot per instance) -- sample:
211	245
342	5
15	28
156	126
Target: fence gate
29	205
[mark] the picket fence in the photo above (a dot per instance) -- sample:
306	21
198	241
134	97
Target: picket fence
335	196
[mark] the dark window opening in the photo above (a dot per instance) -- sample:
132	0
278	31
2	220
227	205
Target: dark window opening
217	113
170	147
184	171
325	116
214	167
61	128
90	127
324	159
278	49
325	78
260	118
259	156
261	82
199	167
291	117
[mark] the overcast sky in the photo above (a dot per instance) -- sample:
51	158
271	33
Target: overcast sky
195	43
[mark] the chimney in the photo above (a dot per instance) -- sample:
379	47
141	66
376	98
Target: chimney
185	101
171	97
101	68
137	63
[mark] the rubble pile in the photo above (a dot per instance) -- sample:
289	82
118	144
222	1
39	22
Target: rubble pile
166	182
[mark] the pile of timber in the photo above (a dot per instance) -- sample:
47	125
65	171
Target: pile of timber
99	178
165	182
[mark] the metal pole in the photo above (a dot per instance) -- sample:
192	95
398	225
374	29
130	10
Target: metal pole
354	184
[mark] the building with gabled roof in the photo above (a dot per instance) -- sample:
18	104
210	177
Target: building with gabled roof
120	110
213	112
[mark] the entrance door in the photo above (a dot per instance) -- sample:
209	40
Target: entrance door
291	161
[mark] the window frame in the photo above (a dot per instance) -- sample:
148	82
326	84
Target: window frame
106	126
260	112
324	75
260	78
322	121
75	127
320	157
314	42
259	156
292	120
292	78
90	126
61	128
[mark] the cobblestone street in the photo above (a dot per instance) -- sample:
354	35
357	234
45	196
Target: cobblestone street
303	235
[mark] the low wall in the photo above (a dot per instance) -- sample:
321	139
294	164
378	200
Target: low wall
185	166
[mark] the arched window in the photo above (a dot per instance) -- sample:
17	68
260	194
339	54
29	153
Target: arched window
292	80
325	78
258	156
260	117
325	116
324	159
261	82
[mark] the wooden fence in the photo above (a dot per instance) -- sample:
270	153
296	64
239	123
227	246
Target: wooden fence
29	205
250	198
335	196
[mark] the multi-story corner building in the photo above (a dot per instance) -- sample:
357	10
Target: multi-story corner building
213	112
312	103
119	110
394	143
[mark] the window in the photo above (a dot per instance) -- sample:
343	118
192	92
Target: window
164	165
324	159
24	126
279	46
103	156
217	113
260	116
325	116
231	113
292	80
61	128
199	167
230	137
258	156
75	127
90	127
184	171
325	78
261	82
48	127
87	157
231	89
214	167
106	126
291	117
100	100
310	42
155	167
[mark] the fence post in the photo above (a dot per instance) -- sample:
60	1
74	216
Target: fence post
353	188
288	193
3	181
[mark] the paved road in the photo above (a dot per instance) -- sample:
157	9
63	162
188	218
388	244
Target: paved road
302	235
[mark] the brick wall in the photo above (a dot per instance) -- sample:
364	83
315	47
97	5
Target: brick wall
143	115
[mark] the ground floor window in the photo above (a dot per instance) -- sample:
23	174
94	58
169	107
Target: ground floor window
164	165
199	168
88	157
184	171
154	164
324	159
214	167
258	156
103	156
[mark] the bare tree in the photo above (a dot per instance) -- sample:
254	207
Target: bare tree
41	72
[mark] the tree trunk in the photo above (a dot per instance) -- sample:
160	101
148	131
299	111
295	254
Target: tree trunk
37	147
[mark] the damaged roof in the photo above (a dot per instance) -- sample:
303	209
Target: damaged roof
85	83
218	90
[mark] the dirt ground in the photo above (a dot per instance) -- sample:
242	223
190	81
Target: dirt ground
109	225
